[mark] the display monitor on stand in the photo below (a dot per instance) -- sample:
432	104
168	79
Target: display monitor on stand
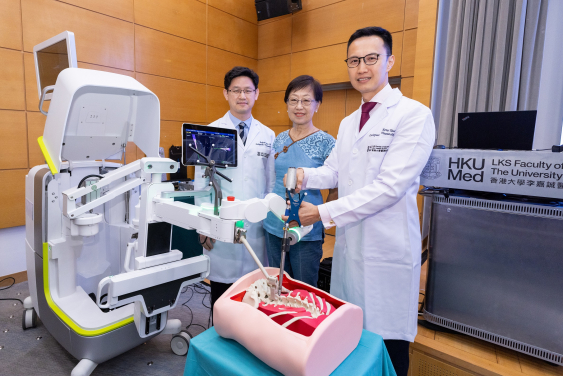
51	58
212	147
217	144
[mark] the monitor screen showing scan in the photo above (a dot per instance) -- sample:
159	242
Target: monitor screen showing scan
51	61
218	144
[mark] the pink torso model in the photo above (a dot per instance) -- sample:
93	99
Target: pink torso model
305	331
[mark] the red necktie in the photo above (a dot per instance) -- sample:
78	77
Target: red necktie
366	108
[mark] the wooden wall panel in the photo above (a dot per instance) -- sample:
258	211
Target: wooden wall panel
314	4
331	112
233	34
186	19
217	105
244	9
422	87
31	93
122	9
271	110
325	64
275	73
411	14
274	38
130	152
166	55
219	62
13	141
179	100
407	86
10	24
35	127
12	96
275	19
101	68
398	52
12	210
139	153
279	128
409	53
170	134
353	101
335	23
100	39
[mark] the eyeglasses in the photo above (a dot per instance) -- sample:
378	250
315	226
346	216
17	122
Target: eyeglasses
245	91
370	59
305	102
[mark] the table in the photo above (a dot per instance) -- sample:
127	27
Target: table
210	354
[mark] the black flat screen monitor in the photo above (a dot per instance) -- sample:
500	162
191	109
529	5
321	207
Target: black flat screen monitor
218	144
509	130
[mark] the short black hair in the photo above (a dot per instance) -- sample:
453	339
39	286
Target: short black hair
302	82
373	31
238	72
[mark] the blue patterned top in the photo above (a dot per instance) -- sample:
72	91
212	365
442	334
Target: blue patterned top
308	152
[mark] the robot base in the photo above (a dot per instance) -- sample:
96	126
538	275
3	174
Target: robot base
91	351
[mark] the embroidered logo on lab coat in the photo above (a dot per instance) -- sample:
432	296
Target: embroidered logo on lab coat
387	132
262	154
378	148
263	143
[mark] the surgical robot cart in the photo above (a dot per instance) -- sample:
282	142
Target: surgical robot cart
496	247
102	274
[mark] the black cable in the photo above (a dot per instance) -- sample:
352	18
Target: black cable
200	289
89	176
7	287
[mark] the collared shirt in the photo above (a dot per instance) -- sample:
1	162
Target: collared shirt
380	97
246	122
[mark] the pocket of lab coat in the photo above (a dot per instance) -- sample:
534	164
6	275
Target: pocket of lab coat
384	236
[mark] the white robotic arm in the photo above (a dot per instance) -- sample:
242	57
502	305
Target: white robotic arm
157	208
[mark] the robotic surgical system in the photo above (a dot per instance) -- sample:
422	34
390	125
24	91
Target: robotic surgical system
102	274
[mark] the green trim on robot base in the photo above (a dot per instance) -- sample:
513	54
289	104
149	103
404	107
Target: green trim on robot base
48	158
67	320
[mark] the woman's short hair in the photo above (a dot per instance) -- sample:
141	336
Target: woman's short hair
302	82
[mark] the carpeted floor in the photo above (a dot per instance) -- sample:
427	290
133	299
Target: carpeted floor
36	352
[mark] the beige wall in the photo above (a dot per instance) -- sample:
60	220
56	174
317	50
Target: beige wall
178	49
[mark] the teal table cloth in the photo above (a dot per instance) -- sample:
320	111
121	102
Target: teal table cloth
212	355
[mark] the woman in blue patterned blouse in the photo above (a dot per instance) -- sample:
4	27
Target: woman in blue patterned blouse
303	145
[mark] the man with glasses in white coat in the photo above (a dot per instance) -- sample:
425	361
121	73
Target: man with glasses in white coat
254	177
380	152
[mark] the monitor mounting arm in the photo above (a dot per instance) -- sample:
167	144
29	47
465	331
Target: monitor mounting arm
210	171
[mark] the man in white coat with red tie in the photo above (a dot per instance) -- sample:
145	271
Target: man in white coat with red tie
380	152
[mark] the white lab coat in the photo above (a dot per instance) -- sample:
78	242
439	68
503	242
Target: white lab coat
378	245
254	177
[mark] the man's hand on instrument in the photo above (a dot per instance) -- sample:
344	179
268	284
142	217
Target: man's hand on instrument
206	242
300	174
308	214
